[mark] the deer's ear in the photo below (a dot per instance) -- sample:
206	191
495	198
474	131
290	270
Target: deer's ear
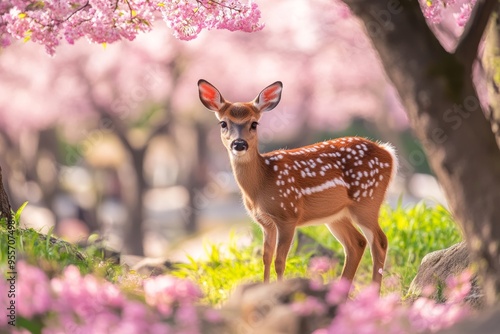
269	98
210	96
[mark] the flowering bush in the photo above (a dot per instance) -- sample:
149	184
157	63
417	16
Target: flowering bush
105	21
75	303
370	314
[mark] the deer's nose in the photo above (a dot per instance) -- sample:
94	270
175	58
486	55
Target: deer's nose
239	145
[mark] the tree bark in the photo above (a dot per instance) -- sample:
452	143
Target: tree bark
133	194
491	67
5	208
438	94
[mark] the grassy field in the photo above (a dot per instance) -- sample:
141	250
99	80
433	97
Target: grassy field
412	232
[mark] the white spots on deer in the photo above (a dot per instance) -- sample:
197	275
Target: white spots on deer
325	186
344	162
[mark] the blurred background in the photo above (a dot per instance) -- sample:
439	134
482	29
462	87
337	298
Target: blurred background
113	139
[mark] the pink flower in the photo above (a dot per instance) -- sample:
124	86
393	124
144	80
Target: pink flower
465	10
187	318
432	10
458	287
102	21
212	316
338	292
321	265
34	291
88	304
165	291
311	305
368	313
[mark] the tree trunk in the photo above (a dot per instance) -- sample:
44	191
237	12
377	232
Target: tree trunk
491	66
437	92
5	209
132	192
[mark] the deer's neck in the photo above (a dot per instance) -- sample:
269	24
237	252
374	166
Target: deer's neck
249	173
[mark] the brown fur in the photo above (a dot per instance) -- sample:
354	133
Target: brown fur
340	183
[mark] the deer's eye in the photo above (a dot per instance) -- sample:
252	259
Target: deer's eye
223	124
253	126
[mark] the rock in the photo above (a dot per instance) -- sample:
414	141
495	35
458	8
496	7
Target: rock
269	308
437	266
146	265
95	244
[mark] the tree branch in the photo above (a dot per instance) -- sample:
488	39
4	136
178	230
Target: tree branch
468	43
390	26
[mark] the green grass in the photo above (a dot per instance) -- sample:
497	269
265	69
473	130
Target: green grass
413	232
50	253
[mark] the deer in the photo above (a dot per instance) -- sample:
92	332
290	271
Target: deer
340	183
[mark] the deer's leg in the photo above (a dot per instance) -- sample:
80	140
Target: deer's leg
378	248
354	244
285	237
269	232
368	222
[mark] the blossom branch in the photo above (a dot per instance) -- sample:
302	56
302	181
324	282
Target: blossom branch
50	22
468	44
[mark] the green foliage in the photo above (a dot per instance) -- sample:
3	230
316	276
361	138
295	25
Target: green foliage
48	252
415	232
231	265
412	232
224	271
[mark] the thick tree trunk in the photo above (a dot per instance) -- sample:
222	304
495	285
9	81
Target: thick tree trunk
134	187
437	92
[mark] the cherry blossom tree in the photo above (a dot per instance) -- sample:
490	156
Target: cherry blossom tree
431	65
436	86
110	89
106	21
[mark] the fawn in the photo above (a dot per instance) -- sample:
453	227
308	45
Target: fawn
340	183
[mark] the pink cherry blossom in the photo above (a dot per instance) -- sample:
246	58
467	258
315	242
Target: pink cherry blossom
434	10
458	287
338	291
310	306
76	303
106	21
321	265
34	295
465	10
164	292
